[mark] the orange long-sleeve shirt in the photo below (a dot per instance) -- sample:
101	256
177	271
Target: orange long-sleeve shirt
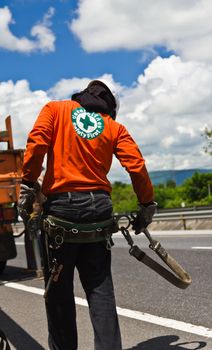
80	146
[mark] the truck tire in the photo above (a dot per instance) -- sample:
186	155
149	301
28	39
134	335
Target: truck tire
2	266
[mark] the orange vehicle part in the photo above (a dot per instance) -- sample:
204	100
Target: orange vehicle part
11	161
10	178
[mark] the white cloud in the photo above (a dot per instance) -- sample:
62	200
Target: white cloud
44	37
66	87
166	111
170	105
182	26
23	105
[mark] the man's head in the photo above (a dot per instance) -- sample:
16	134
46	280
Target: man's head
112	93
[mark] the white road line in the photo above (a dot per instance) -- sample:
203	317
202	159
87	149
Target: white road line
166	322
22	287
208	248
137	315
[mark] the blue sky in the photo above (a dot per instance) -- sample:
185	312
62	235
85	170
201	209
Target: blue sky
159	55
68	59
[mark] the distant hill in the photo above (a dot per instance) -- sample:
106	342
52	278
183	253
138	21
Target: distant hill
179	176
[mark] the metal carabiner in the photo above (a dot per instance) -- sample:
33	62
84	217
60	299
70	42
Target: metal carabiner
58	240
125	216
127	236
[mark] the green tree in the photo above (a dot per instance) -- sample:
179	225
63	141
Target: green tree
168	197
171	183
160	195
123	197
196	188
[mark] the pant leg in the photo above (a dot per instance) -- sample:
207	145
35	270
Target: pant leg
60	303
94	266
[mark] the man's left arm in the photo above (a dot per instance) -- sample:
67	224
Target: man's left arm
130	156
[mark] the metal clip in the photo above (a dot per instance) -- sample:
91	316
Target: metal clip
59	240
55	271
127	236
74	231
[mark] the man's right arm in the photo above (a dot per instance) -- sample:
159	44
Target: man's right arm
38	143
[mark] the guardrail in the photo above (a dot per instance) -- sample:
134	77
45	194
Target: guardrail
183	215
180	215
181	209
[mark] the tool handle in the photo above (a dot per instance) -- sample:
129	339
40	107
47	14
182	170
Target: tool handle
48	286
177	268
51	278
168	259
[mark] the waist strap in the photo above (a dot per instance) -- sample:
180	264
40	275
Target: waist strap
61	230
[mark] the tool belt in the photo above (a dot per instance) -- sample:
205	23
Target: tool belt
60	230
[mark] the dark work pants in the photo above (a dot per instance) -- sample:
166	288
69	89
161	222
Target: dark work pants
93	262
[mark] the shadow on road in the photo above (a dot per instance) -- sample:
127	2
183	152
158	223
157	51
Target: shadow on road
13	273
16	335
165	343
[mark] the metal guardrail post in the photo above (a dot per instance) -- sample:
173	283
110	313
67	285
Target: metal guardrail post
184	222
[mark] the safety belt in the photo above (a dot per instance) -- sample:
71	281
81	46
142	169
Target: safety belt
180	279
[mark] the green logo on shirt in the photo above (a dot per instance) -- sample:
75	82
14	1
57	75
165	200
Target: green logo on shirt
87	125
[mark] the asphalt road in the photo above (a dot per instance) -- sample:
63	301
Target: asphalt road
153	314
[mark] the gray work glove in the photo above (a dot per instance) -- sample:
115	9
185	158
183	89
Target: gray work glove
26	199
144	217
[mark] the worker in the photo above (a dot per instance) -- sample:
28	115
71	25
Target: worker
80	136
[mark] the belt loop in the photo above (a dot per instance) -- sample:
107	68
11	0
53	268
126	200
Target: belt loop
92	197
108	241
69	197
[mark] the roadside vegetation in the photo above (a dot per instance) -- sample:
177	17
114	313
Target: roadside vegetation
195	191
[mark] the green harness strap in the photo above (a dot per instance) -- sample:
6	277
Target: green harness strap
79	232
79	226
